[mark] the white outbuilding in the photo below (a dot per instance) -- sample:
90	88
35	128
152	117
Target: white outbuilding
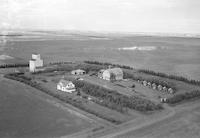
171	91
78	72
145	83
160	87
154	86
66	86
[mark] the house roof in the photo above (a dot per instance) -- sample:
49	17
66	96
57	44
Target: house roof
115	71
64	82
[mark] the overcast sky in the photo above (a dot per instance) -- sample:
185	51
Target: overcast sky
176	16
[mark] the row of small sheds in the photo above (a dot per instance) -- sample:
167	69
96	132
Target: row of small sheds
157	87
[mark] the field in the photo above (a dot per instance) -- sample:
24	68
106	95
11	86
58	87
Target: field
184	124
26	112
172	55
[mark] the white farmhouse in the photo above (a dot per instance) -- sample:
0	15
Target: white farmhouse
35	62
113	74
66	86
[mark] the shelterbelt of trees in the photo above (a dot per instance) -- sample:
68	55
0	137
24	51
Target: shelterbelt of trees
174	77
114	100
14	65
150	72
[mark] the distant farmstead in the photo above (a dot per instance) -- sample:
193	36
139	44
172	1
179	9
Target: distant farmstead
66	86
78	72
36	63
112	74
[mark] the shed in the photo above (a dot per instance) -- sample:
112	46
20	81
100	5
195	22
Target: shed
170	90
164	88
78	72
160	87
144	83
149	84
154	86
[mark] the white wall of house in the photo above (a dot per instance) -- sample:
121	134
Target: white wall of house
68	88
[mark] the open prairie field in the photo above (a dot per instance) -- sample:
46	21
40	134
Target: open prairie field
24	112
172	55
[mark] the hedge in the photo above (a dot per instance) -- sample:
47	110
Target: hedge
115	100
174	77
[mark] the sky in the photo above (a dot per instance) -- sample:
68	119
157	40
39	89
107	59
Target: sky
163	16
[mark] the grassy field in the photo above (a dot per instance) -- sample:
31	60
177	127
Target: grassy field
24	112
184	124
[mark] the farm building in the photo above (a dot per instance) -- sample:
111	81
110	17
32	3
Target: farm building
170	90
35	63
66	86
144	83
149	84
113	74
160	87
78	72
164	88
154	86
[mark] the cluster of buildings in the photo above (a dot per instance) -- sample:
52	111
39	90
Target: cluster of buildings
156	87
111	74
106	74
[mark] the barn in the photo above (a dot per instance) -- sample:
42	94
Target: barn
113	74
